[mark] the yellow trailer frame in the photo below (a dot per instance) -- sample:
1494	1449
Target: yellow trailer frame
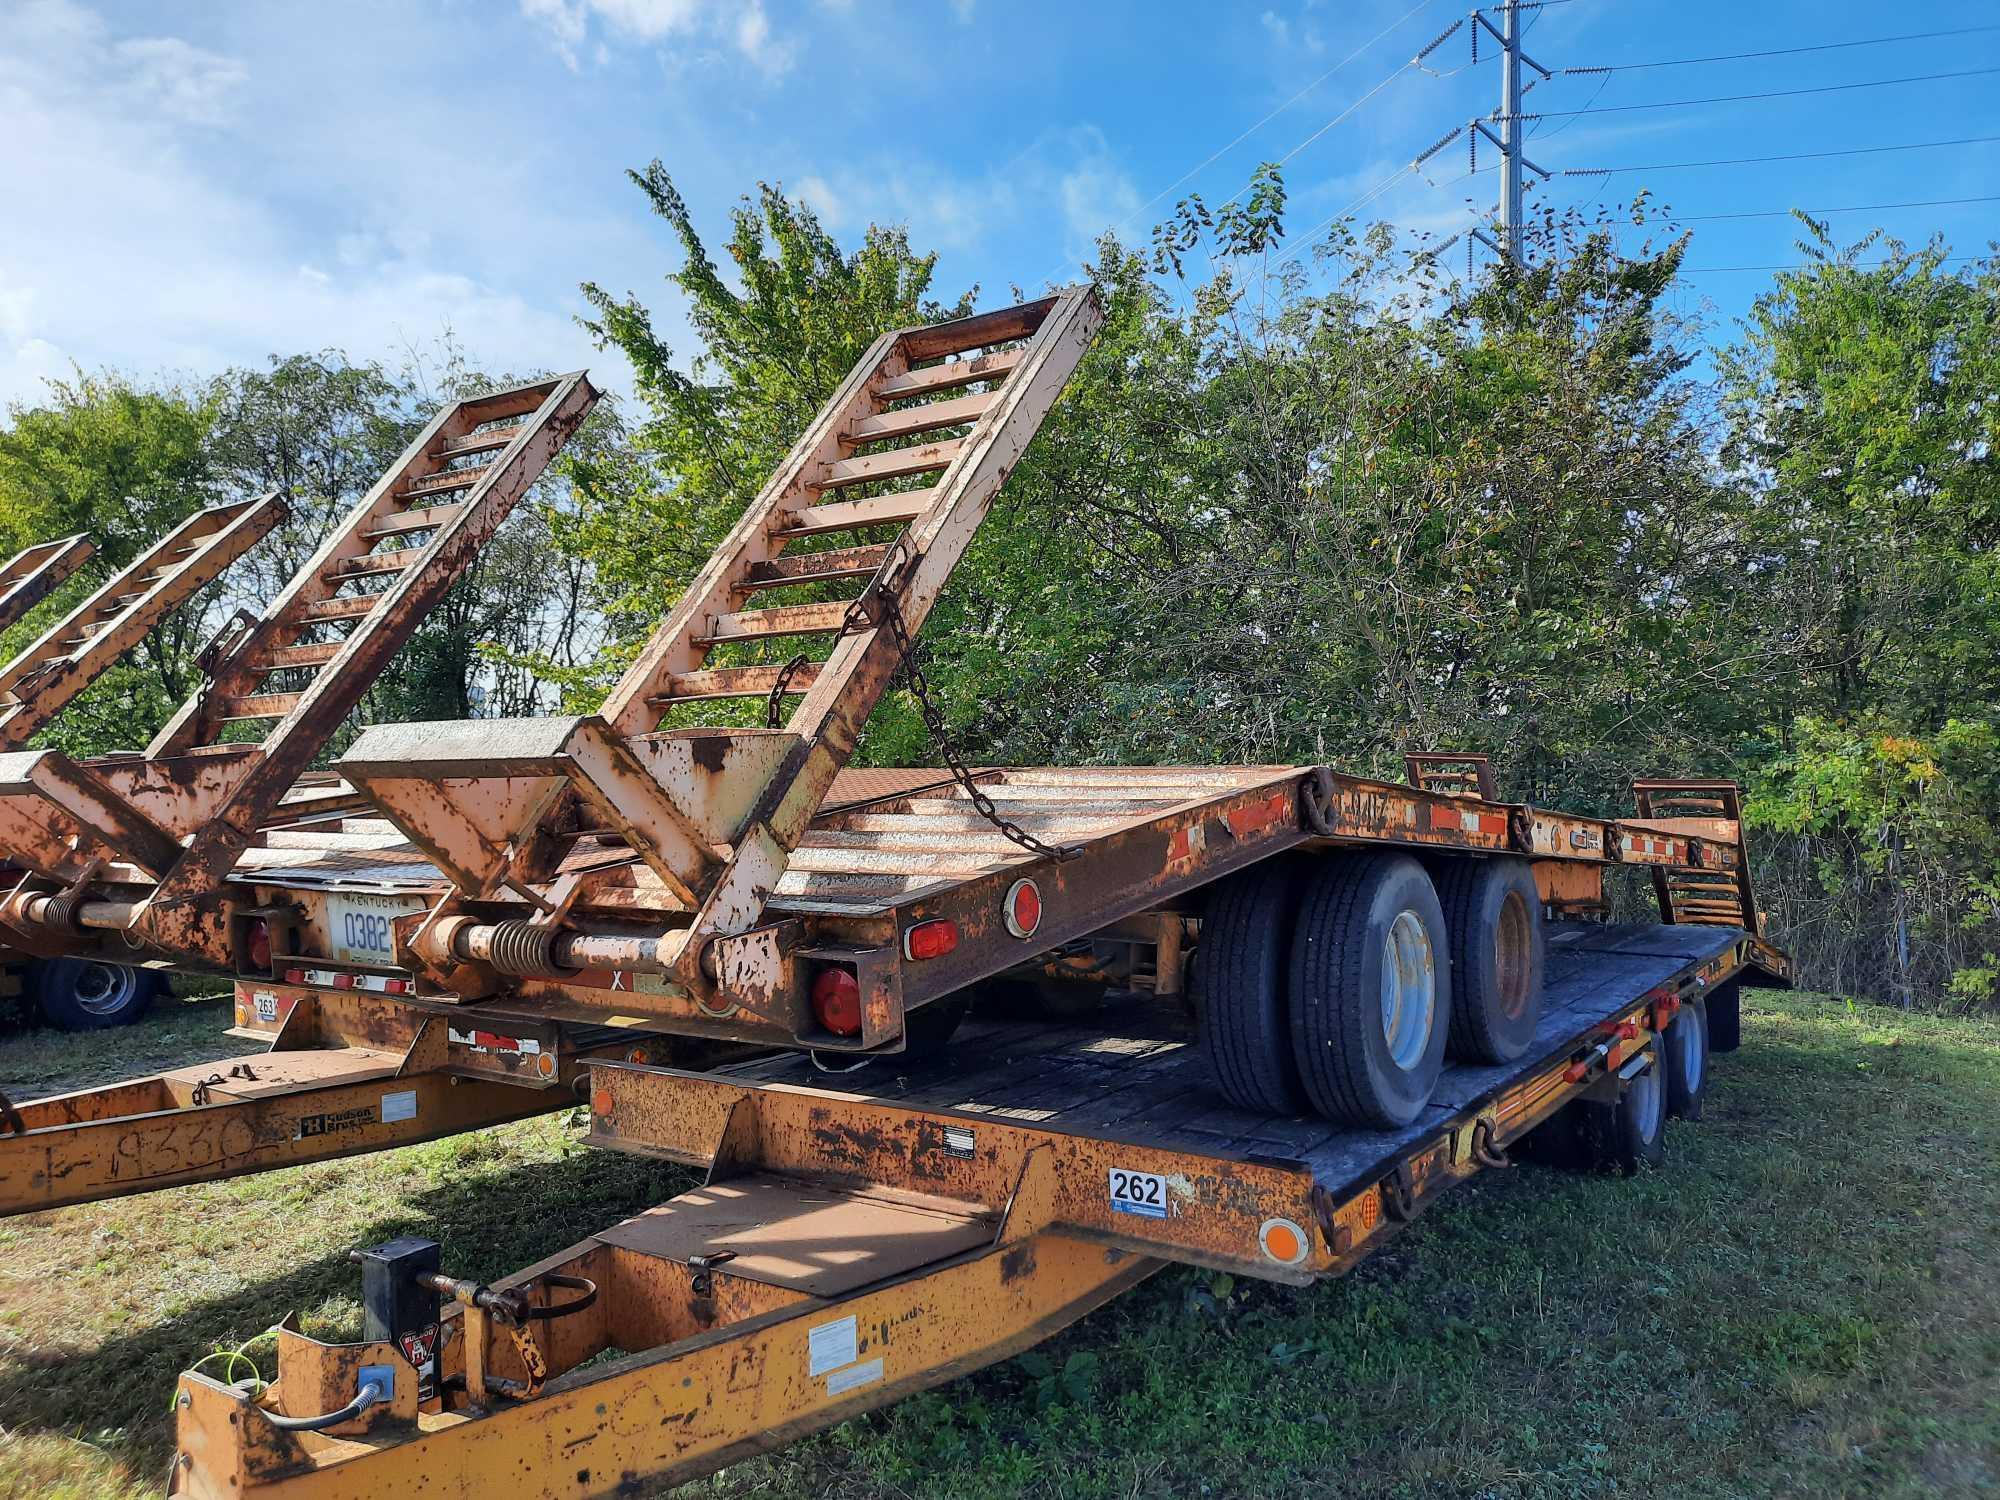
847	1250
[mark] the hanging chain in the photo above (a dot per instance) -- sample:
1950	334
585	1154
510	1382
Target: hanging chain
862	613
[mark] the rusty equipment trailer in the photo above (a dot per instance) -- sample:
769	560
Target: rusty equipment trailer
65	659
547	891
129	857
849	1248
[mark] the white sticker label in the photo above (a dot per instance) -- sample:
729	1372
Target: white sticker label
830	1346
1143	1193
857	1375
402	1106
266	1002
958	1141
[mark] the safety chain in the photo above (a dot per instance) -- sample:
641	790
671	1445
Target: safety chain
864	611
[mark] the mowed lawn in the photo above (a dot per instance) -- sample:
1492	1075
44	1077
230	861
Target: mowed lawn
1806	1301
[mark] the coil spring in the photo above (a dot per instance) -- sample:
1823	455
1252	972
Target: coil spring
522	948
61	911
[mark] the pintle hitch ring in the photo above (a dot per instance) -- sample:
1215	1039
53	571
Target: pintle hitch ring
1485	1150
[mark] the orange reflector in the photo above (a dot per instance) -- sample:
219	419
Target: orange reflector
546	1065
600	1102
932	939
1284	1241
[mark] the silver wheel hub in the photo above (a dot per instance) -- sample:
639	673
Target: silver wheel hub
1409	989
104	989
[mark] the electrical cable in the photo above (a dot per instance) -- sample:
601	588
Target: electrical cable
1745	161
1873	41
1827	88
1861	265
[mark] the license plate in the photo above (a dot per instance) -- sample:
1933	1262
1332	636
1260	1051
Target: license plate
357	927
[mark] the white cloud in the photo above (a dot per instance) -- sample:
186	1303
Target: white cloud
824	201
149	229
184	81
741	23
1278	26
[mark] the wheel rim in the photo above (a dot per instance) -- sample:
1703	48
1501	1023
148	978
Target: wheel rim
104	989
1694	1056
1409	989
1514	956
1646	1099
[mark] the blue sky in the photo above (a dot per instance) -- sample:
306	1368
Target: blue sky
187	187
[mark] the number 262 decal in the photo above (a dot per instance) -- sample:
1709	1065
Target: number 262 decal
1143	1193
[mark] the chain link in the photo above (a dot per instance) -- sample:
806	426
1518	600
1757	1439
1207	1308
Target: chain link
858	617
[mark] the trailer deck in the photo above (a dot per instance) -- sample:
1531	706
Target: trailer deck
852	1245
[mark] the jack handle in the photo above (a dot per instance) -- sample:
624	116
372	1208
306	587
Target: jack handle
513	1307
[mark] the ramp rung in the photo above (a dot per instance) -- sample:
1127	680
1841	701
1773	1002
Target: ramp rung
261	706
902	508
297	656
786	619
450	479
1001	326
994	366
916	419
733	682
340	609
815	567
427	519
374	563
925	458
480	442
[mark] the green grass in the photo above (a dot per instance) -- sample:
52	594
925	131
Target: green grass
1806	1301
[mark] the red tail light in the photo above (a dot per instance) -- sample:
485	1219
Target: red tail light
836	1001
932	939
260	946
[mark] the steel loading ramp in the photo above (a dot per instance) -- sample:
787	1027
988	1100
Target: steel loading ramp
717	813
33	573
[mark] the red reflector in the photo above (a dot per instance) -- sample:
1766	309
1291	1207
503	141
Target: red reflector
396	986
260	946
295	976
836	1000
343	981
1024	908
1575	1072
1628	1031
932	939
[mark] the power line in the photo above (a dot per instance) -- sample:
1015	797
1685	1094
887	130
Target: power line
1852	208
1873	41
1828	88
1223	151
1745	161
1807	265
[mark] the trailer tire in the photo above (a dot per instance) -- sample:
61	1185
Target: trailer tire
82	994
1493	931
1630	1134
1239	972
1370	989
1684	1054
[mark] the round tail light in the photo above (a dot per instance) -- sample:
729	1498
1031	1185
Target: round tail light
260	946
836	1001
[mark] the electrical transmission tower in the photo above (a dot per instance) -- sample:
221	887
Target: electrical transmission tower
1507	115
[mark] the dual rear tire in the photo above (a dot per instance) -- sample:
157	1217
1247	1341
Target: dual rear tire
1331	984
